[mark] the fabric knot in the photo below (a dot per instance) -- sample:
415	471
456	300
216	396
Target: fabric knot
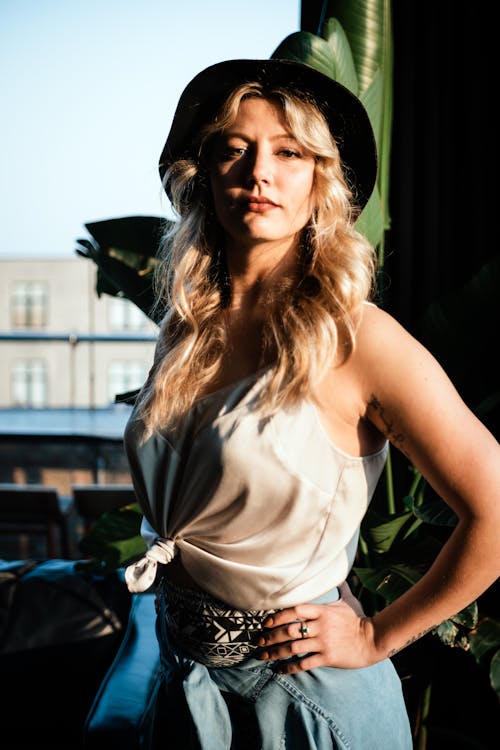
141	575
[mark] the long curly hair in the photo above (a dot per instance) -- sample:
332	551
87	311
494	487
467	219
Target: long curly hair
313	319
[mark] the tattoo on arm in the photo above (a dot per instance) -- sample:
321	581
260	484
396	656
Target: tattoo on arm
396	438
394	651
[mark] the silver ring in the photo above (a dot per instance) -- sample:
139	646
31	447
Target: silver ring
304	630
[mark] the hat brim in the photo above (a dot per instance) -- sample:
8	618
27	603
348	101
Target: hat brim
346	116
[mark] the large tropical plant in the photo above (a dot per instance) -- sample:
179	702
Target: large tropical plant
354	46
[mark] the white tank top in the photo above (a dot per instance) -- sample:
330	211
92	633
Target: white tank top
264	511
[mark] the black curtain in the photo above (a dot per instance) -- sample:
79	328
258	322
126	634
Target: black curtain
443	163
443	190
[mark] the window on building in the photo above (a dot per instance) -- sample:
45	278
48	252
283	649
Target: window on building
125	316
30	383
125	375
29	304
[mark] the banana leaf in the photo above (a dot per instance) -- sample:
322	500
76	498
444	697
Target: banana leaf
485	639
114	540
495	673
345	70
354	46
435	512
140	235
366	24
390	582
380	532
371	220
304	47
368	27
125	252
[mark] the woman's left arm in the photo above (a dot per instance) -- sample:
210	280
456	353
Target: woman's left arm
412	401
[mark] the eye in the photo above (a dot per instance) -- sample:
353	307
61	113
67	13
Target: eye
236	151
290	153
231	153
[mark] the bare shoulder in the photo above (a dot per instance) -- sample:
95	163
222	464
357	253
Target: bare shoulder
412	400
377	325
384	349
395	369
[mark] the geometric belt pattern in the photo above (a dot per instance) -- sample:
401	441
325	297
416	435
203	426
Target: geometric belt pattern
208	630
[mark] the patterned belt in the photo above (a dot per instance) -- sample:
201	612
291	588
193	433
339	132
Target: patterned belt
207	629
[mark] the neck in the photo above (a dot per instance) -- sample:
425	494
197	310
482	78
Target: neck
258	271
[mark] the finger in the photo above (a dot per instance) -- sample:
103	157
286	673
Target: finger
303	664
288	649
302	630
300	612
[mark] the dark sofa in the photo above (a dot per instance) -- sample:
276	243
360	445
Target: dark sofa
79	658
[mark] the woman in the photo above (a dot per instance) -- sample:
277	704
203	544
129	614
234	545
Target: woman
257	442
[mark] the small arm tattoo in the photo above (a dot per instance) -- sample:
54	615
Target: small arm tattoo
397	438
411	640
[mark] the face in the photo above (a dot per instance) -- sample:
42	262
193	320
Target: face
261	178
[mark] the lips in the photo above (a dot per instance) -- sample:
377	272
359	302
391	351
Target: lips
258	203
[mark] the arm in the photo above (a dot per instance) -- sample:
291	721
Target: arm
409	398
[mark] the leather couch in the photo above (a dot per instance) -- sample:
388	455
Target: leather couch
119	716
79	661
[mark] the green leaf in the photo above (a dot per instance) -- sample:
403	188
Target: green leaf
435	512
304	47
467	617
115	537
143	264
380	537
495	673
138	234
367	27
118	279
90	248
334	34
370	221
455	631
447	632
390	582
485	638
372	100
332	55
125	252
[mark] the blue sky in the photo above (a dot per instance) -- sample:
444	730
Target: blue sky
88	90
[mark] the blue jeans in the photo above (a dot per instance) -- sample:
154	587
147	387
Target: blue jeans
250	707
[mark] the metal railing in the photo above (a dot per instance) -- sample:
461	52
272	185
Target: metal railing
73	339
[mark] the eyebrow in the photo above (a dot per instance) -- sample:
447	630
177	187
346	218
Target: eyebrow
237	134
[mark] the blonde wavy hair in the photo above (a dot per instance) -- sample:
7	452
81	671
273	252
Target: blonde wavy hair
313	320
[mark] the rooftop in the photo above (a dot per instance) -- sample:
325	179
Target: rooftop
107	424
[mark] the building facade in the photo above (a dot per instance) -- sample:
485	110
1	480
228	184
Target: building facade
63	346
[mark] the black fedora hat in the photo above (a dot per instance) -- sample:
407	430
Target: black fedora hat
345	114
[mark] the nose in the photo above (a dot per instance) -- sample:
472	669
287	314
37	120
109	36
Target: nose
259	166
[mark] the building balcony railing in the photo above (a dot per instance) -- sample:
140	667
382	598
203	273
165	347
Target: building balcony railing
74	338
39	377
